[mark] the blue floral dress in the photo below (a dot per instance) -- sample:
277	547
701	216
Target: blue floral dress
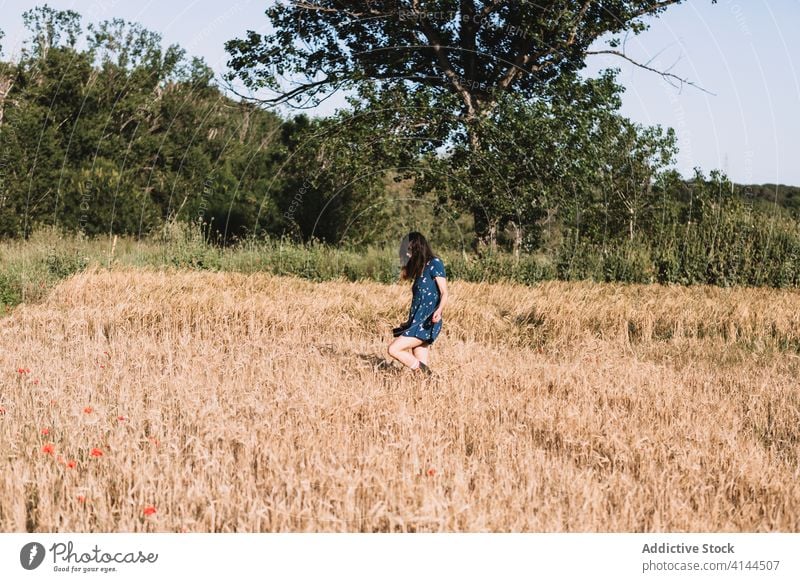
424	303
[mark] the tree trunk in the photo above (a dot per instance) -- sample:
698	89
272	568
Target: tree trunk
485	226
485	231
517	239
6	83
631	220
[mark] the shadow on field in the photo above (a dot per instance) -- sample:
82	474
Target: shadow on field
377	362
372	361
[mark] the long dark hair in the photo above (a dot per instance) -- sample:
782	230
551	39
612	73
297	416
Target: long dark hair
421	253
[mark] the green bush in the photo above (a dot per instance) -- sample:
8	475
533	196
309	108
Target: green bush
63	264
10	290
731	248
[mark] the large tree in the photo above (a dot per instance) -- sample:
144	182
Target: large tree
475	51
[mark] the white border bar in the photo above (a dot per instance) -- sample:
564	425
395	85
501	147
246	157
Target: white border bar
408	557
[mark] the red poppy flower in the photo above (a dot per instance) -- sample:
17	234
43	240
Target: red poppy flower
36	380
431	472
23	370
49	449
81	499
96	452
121	418
149	510
71	464
2	410
45	431
88	410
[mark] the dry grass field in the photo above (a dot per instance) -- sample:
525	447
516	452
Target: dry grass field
147	400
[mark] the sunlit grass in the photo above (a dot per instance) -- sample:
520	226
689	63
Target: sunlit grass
212	401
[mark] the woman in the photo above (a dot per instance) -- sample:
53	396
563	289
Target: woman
415	336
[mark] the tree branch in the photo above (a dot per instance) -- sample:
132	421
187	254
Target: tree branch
522	59
491	7
436	45
665	74
468	33
654	7
318	8
578	20
284	97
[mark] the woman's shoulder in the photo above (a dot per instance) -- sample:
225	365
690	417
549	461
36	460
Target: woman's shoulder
436	265
434	262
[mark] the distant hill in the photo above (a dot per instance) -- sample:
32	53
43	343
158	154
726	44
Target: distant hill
787	197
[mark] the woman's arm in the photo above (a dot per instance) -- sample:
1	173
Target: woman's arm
441	282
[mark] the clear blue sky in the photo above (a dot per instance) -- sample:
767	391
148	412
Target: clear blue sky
747	52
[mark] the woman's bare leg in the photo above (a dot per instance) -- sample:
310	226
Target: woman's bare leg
401	350
422	352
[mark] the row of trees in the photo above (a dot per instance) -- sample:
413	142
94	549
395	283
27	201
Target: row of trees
108	131
105	130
